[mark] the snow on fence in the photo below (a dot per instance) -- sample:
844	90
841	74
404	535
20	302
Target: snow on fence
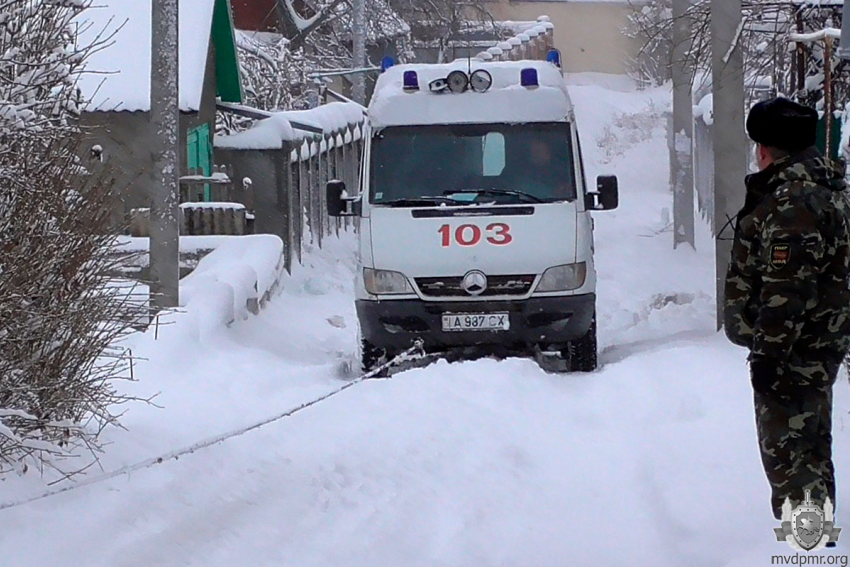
534	42
290	157
238	277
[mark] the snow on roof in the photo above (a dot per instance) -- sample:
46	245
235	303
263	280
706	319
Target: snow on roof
118	77
506	101
330	117
270	133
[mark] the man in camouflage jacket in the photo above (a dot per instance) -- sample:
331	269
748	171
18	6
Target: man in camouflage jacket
787	297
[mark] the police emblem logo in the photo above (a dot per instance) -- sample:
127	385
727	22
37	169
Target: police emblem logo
779	255
808	527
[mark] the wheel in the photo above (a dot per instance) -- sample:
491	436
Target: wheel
582	352
372	357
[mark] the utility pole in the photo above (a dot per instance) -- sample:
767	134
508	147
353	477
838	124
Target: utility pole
730	141
681	155
165	192
358	38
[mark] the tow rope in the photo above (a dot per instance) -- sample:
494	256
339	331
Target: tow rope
414	352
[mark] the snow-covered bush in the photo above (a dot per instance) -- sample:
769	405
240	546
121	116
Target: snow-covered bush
275	76
629	129
38	61
60	314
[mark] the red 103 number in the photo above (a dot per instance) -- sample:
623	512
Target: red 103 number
466	235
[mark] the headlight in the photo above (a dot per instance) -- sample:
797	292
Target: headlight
384	282
563	278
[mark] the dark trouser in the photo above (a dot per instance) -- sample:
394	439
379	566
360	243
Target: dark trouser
794	423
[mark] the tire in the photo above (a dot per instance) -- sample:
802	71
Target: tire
582	352
372	357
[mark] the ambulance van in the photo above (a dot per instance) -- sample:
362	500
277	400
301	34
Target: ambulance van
476	234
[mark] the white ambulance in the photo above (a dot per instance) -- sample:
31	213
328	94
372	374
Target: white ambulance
475	228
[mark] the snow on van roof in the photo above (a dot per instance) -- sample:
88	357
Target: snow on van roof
505	101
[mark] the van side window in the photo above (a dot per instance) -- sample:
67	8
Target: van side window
581	165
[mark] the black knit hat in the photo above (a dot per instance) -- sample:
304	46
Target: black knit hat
782	123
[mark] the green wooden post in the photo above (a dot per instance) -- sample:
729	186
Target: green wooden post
835	136
199	153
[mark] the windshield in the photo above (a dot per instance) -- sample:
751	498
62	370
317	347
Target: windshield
472	163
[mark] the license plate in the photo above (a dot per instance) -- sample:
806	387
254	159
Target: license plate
476	322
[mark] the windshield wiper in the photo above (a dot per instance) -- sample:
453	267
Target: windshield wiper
528	197
429	201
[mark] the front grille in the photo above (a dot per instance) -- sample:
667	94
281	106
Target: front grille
496	286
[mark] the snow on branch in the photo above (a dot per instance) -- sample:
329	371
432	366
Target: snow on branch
813	37
300	22
40	62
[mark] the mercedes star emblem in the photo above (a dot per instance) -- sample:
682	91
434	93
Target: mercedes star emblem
474	282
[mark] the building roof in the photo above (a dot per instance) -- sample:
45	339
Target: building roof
117	77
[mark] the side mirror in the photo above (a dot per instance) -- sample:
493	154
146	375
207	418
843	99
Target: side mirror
339	203
606	197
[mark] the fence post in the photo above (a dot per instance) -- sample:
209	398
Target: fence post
315	197
335	172
308	196
357	157
285	199
327	166
297	210
303	194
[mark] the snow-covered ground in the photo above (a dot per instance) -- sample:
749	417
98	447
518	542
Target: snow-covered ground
652	460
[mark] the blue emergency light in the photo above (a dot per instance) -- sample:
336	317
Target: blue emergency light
386	63
528	77
554	57
410	81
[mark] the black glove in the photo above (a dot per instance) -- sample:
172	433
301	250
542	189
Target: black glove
764	374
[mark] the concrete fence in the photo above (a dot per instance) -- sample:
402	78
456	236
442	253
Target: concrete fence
289	168
532	43
704	169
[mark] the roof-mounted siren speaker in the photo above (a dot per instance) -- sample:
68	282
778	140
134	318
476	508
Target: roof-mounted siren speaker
528	77
386	63
480	81
458	81
410	81
438	85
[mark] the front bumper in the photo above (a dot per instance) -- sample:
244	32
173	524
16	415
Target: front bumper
550	321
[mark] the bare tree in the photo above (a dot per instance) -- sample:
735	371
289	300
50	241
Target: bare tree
275	76
61	313
444	24
278	68
770	62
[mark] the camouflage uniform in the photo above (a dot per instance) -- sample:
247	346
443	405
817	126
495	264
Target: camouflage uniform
787	300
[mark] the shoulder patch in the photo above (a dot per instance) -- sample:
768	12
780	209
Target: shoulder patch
780	254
